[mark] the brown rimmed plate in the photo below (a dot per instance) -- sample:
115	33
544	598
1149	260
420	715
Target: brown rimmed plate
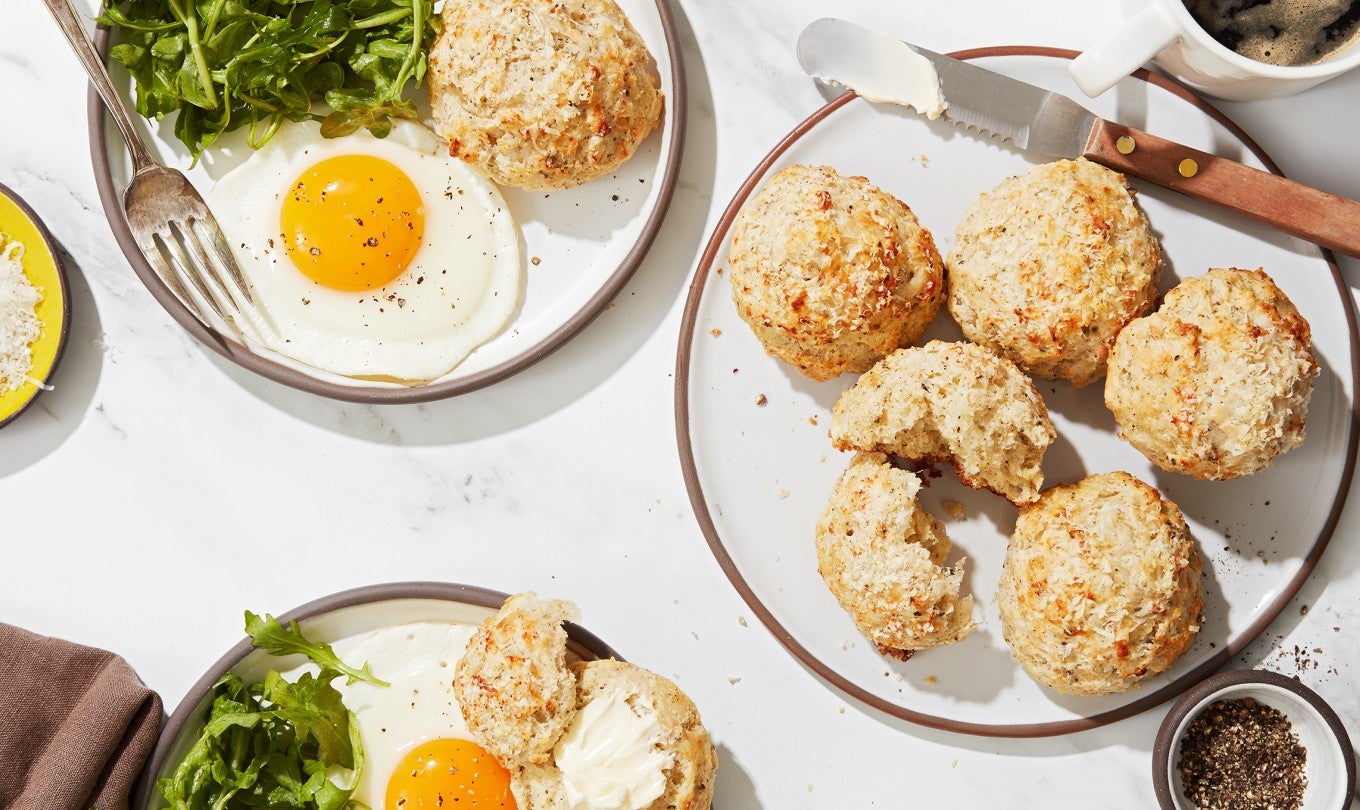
580	246
336	619
758	465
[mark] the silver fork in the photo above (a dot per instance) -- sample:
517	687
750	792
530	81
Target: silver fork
174	228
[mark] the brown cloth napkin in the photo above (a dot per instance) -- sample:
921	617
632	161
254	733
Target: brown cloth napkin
76	724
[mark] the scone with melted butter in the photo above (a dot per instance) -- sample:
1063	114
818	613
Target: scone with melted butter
573	733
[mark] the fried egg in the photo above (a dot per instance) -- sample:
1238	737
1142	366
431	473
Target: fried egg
417	748
374	258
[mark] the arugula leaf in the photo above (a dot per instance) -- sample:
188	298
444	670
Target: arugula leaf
270	635
311	705
274	743
226	64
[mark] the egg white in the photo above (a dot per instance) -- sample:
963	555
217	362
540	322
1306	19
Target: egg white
418	660
463	286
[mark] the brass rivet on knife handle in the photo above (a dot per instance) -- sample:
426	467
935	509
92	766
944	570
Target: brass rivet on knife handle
1125	144
1306	212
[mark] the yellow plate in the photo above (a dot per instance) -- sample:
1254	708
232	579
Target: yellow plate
44	270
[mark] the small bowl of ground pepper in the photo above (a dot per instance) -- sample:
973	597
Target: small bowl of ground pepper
1252	740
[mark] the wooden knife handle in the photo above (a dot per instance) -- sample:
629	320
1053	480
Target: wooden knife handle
1304	211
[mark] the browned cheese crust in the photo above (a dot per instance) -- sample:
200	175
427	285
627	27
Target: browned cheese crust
1050	265
1101	587
542	93
1216	383
513	685
831	272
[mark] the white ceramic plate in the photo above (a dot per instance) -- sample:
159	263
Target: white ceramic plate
587	240
339	620
759	475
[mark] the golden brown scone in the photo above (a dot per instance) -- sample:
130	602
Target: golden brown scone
1215	384
956	403
542	93
516	692
882	556
1101	588
1049	266
831	272
694	762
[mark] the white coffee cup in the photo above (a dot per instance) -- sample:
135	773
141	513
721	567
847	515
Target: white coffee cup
1164	31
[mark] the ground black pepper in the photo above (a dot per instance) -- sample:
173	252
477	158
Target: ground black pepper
1240	754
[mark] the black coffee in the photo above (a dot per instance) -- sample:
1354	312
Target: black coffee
1281	32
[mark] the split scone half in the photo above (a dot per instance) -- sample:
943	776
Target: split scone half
516	692
955	403
883	557
563	730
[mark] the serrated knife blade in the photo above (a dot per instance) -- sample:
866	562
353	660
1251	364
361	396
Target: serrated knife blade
1055	126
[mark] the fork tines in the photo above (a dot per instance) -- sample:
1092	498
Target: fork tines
195	251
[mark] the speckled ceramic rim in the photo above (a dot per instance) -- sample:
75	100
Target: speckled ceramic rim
111	196
1189	704
715	541
187	711
65	296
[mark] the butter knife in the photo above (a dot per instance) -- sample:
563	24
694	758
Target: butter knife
1054	125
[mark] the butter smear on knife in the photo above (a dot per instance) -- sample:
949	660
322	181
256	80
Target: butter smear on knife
887	71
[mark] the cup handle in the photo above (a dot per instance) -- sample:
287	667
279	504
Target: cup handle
1102	65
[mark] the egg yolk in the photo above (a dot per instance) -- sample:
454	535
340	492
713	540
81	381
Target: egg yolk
448	773
352	222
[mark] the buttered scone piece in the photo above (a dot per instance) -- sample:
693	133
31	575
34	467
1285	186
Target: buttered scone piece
1101	588
542	94
636	743
597	735
513	684
1049	266
831	272
956	403
883	556
1215	384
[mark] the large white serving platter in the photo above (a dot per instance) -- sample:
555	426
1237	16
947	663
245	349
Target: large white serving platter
759	466
580	246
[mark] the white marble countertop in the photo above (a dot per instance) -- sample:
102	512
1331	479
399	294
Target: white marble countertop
159	491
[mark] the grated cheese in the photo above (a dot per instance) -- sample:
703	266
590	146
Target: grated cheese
19	324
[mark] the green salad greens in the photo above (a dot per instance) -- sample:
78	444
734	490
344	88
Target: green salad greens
272	743
224	64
